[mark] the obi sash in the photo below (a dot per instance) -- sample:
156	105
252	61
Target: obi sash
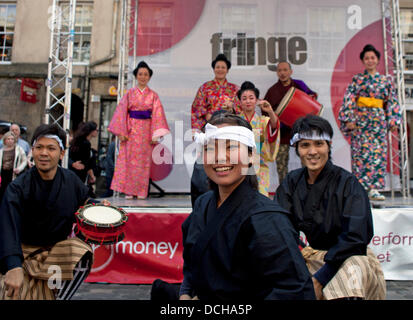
140	114
369	102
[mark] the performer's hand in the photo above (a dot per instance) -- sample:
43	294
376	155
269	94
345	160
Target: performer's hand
30	163
265	106
105	202
185	297
318	289
16	171
351	125
123	138
13	282
78	165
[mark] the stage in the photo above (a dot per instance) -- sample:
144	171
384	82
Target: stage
182	202
152	247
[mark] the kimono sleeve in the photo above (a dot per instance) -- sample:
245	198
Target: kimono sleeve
159	124
271	141
392	107
283	195
347	110
10	226
119	123
357	224
77	186
199	109
277	260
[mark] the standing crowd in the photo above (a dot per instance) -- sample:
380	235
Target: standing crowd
239	242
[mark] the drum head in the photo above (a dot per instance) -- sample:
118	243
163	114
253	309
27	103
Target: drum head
285	101
102	215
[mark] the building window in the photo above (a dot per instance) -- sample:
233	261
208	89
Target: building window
238	23
83	31
406	21
326	32
7	22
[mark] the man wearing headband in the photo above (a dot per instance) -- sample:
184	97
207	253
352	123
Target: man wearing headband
331	208
36	219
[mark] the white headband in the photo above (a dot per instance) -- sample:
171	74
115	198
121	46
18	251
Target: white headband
237	133
313	135
51	136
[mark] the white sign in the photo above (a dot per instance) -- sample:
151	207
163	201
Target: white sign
393	242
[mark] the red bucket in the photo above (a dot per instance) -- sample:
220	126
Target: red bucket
297	104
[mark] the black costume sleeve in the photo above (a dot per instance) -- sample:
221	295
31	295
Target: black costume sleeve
275	256
10	227
186	287
357	224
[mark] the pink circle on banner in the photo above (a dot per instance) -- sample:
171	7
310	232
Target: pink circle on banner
161	25
162	162
348	64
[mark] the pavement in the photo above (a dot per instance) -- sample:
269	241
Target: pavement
396	290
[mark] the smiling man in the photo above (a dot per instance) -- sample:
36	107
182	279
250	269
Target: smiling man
332	209
38	260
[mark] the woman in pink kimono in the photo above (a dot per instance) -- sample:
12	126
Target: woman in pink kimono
139	122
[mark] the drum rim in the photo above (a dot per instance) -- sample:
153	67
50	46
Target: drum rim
285	101
111	240
83	220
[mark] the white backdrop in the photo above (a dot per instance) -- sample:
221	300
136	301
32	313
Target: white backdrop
312	34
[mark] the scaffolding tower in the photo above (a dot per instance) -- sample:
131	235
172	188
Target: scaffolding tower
394	66
59	74
128	41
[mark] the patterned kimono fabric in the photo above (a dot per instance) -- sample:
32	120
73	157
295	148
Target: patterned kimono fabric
210	98
132	169
373	117
267	148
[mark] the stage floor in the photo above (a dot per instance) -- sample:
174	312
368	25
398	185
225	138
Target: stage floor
182	202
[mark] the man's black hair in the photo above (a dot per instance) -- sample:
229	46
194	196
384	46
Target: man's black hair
308	124
52	129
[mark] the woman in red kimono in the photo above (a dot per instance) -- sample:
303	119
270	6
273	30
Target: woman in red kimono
139	121
215	95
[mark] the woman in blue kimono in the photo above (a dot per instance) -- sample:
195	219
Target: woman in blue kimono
370	109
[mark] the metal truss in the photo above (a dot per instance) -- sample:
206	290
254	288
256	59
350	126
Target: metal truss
393	53
127	47
59	74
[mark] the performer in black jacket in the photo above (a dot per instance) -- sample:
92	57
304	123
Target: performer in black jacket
239	244
332	209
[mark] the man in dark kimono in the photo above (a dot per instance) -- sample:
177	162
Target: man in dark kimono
332	209
37	259
274	96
